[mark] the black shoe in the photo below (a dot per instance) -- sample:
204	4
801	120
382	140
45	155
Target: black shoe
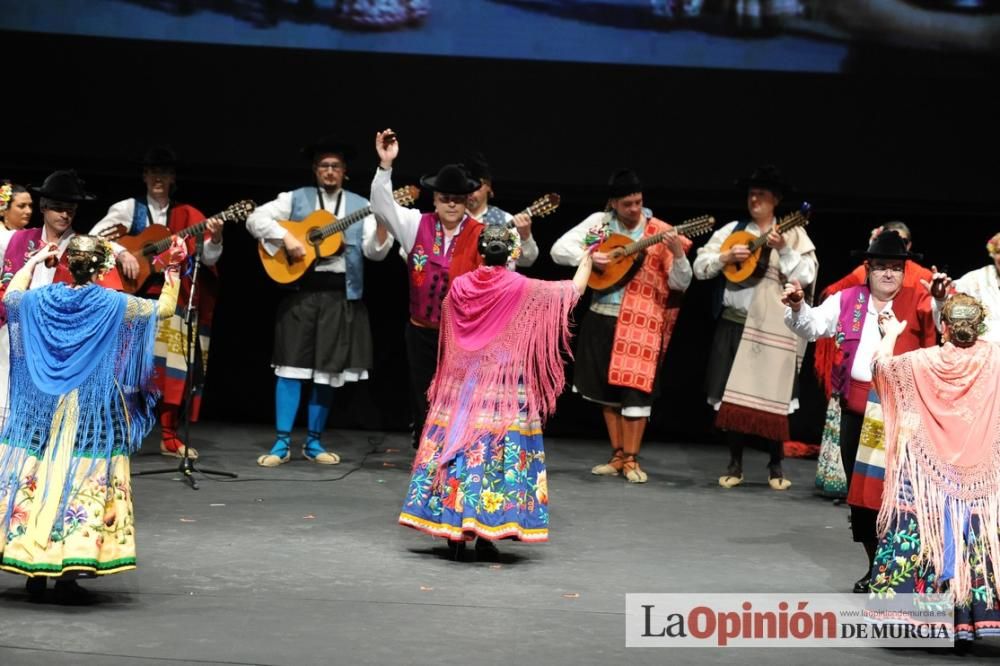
415	439
455	550
35	585
68	592
861	585
486	551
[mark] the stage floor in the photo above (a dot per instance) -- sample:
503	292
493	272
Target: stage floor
305	564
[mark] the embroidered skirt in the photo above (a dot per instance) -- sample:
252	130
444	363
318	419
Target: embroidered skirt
831	481
496	491
92	535
898	570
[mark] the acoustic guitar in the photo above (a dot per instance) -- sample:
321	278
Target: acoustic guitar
627	256
322	232
752	265
156	238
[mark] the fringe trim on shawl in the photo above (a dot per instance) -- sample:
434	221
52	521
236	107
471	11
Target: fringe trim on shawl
752	422
942	497
476	392
116	403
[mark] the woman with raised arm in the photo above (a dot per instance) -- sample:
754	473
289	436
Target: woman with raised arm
940	513
480	468
82	399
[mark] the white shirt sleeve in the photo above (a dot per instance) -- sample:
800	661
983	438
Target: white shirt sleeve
569	249
814	323
402	222
263	222
5	236
707	264
680	275
370	245
796	266
211	252
121	213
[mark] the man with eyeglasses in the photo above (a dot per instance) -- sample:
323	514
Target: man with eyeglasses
830	477
431	241
322	334
853	317
61	193
135	215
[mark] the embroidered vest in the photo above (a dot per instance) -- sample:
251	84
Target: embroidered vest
305	202
23	244
853	313
428	265
911	305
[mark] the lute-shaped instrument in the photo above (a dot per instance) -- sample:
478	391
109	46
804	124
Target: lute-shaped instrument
627	256
742	270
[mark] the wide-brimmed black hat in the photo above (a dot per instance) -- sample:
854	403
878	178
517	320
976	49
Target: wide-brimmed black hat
478	167
63	185
451	179
159	156
623	183
766	177
888	245
328	145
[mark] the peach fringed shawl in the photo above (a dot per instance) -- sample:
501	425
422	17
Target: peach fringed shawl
500	331
942	432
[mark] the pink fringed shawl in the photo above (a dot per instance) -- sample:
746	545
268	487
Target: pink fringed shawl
942	433
499	331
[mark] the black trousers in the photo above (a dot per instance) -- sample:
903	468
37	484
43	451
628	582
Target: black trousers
421	353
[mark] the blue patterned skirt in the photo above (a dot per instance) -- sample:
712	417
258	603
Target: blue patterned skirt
493	490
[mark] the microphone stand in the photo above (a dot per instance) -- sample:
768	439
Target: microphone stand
192	384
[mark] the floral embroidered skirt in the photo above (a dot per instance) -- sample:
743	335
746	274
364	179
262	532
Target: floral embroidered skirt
898	570
831	481
496	491
93	536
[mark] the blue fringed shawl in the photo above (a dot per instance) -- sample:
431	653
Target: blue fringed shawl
90	340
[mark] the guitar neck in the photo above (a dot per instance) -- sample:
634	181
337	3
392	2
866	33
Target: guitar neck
340	225
793	220
160	246
643	243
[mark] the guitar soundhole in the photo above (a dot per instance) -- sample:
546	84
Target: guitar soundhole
315	237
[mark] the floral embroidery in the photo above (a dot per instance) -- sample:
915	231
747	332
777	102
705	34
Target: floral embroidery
858	316
598	233
499	485
419	262
438	237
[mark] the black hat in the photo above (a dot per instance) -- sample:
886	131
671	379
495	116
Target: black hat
160	156
623	183
478	167
766	177
328	145
451	179
63	185
888	245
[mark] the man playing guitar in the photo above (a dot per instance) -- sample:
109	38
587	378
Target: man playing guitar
617	360
754	360
134	216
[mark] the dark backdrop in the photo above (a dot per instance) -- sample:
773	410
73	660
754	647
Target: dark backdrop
897	140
